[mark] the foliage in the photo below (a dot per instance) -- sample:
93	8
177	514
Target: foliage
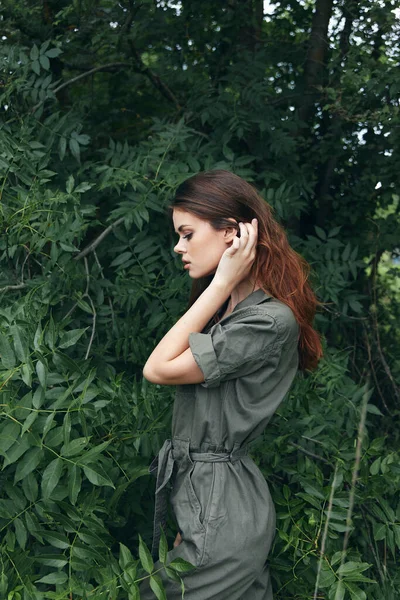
106	107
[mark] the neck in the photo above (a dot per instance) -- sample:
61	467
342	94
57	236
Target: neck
241	291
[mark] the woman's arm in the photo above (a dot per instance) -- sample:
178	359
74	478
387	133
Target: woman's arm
172	362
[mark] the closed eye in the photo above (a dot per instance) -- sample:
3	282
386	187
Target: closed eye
188	236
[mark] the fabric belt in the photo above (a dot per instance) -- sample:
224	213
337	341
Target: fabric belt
162	468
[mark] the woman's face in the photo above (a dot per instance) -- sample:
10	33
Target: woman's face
200	245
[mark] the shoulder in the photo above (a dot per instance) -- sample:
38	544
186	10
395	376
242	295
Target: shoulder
276	313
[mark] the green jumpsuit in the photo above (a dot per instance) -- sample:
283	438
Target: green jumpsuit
219	497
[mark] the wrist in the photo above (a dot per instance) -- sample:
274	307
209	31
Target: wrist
223	287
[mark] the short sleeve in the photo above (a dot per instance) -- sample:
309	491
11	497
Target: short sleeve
237	347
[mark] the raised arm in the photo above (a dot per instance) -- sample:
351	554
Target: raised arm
172	362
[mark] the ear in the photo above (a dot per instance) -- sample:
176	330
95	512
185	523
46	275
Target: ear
231	232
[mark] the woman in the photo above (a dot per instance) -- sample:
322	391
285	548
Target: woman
233	356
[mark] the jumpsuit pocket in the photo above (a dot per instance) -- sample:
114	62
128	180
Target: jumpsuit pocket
200	482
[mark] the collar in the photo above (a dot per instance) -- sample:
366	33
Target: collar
256	297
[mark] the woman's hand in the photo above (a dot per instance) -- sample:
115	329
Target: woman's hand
178	540
236	262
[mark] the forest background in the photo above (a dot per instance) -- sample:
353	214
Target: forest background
105	108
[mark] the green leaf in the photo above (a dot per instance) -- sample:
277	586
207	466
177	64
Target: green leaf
3	585
51	476
38	397
181	566
6	353
83	187
145	557
28	463
30	487
346	252
54	578
374	468
327	577
82	139
355	592
69	338
48	424
163	548
20	446
74	447
74	482
8	434
379	531
56	539
340	590
20	533
53	52
157	587
34	53
134	592
320	233
334	231
26	374
97	475
30	419
172	574
374	410
20	343
121	259
67	428
44	61
70	184
36	67
352	567
89	455
75	150
125	556
62	146
52	560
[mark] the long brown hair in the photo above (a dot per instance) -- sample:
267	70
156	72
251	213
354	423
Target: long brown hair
217	196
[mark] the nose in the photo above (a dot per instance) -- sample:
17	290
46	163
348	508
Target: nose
180	248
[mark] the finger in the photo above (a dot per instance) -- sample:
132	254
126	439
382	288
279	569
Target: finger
254	224
251	237
244	235
235	245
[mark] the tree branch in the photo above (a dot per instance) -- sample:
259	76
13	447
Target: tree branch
308	453
81	76
18	286
154	78
93	245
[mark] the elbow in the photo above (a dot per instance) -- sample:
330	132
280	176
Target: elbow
151	374
148	373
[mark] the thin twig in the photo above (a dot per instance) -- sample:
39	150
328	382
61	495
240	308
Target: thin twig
325	534
18	286
308	453
92	305
109	299
81	76
375	325
354	478
374	373
373	550
21	285
154	78
93	245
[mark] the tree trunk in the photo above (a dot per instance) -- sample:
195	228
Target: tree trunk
350	12
315	60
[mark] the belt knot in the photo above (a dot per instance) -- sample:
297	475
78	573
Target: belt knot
162	467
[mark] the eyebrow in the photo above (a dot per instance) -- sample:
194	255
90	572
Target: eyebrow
181	227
